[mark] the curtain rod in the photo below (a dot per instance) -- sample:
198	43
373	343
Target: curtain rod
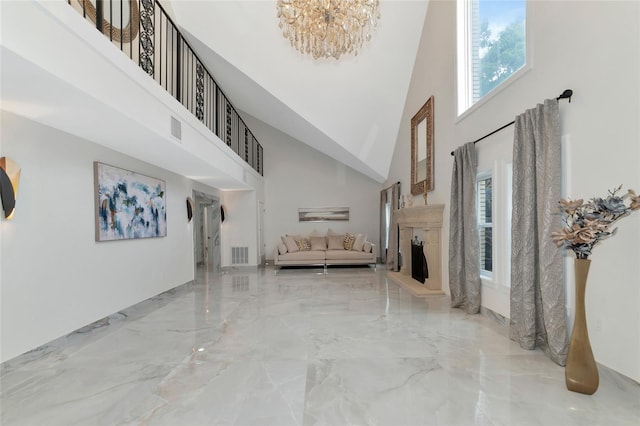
567	94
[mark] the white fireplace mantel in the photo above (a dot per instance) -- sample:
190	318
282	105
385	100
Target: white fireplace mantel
426	223
429	216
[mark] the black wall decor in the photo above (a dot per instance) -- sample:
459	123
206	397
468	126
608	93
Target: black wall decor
189	209
7	194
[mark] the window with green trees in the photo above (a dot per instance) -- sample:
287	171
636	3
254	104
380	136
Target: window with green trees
491	46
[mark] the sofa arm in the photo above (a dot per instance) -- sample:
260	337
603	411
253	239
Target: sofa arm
373	248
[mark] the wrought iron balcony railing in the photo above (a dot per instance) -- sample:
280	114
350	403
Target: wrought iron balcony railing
142	30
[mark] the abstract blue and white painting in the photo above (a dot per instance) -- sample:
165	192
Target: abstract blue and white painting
128	205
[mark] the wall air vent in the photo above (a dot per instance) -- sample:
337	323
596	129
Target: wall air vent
176	128
239	255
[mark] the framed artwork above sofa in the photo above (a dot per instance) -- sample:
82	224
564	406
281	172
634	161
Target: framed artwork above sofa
323	214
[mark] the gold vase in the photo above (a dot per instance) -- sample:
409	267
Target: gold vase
581	371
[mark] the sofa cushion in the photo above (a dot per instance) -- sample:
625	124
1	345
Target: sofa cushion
288	241
346	255
303	244
318	243
336	242
311	255
314	233
367	246
349	239
282	249
358	244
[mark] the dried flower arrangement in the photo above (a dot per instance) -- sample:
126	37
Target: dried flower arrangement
590	222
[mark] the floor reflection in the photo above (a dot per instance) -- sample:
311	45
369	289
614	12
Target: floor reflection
257	348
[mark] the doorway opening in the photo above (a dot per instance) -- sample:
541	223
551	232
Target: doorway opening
206	231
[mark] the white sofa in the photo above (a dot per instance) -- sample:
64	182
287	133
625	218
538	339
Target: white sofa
331	249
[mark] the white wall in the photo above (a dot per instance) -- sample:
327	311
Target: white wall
39	85
299	176
54	277
594	49
240	226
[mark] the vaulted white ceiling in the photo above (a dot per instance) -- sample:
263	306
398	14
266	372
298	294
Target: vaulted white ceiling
349	109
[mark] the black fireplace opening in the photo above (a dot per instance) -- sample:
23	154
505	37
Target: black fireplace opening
419	269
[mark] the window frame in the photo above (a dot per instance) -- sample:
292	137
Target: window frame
464	73
483	176
501	175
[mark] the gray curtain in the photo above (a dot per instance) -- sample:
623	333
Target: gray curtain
464	269
538	314
392	252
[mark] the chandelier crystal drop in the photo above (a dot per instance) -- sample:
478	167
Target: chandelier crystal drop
328	28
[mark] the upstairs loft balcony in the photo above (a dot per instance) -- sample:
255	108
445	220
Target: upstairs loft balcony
143	31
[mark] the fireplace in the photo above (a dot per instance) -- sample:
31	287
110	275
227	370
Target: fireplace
425	223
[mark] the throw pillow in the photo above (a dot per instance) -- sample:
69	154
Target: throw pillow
358	244
282	249
336	242
288	241
367	246
318	243
303	244
331	232
349	239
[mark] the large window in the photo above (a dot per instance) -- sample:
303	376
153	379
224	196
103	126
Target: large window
491	46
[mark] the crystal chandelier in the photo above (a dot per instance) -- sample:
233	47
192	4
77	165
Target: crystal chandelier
328	28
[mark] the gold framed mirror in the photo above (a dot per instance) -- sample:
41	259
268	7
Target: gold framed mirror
422	149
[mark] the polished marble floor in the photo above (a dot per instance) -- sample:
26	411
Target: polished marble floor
299	348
